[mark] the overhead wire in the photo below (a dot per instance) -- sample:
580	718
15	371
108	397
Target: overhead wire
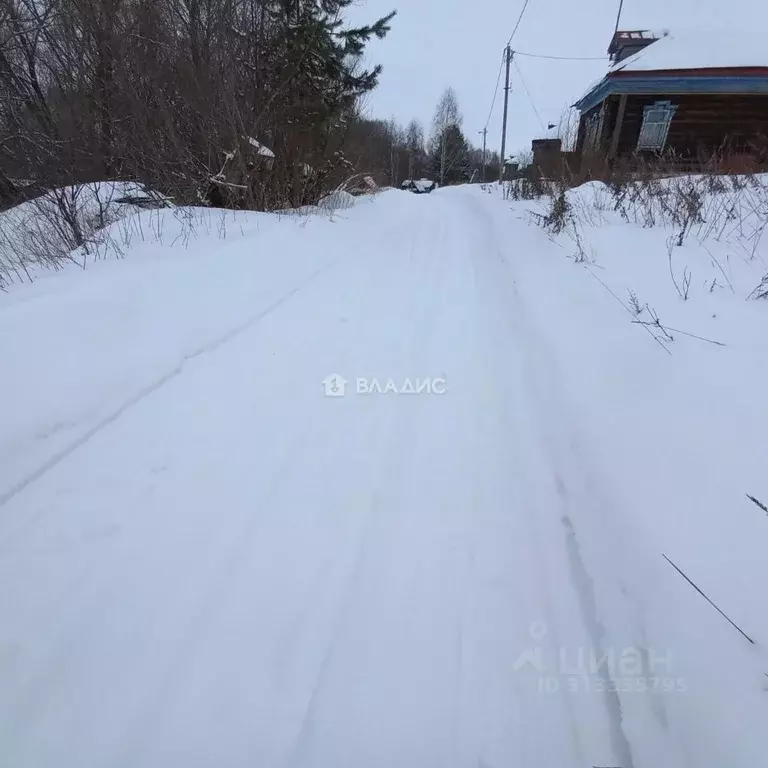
530	98
495	92
512	54
519	20
561	58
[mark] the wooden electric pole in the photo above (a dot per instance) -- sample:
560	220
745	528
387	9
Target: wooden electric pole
485	136
508	57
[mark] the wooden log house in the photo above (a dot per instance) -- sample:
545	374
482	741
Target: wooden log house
689	99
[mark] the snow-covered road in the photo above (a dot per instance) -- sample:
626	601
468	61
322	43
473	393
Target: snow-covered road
226	567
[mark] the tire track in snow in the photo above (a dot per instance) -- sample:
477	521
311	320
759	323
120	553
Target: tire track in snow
231	555
493	268
542	376
396	429
160	701
150	389
534	375
541	368
584	586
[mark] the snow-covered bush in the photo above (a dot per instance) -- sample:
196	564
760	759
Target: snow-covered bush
559	212
64	225
338	200
733	208
699	234
525	189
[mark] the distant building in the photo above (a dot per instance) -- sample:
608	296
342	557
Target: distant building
511	170
549	160
690	98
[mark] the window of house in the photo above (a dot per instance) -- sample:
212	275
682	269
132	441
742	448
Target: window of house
655	129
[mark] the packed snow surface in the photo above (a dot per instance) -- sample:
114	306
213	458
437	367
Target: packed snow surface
209	555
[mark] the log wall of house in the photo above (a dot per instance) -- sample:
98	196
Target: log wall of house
702	125
582	128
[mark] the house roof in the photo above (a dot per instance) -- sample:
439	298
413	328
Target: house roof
699	49
687	62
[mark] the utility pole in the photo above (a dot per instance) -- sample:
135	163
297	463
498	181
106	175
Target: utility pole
509	56
485	135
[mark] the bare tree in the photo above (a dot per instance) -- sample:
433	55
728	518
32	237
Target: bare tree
447	116
182	94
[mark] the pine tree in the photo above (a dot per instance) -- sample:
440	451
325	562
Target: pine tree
321	58
318	62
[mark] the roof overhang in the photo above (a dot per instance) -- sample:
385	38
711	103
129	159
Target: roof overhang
696	81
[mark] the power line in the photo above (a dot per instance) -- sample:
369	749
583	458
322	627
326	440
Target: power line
517	26
496	90
530	98
618	17
561	58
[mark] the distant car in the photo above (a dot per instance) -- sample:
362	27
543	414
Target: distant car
418	186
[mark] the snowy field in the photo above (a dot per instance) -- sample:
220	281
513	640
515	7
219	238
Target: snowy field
205	560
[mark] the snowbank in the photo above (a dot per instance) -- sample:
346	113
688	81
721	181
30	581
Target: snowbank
38	234
675	417
45	231
112	198
336	201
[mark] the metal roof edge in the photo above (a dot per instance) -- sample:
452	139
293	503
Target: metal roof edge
652	82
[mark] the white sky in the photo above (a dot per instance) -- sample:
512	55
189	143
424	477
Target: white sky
437	43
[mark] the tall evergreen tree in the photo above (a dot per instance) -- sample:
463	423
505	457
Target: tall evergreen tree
320	56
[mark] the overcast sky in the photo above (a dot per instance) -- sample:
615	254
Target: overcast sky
438	43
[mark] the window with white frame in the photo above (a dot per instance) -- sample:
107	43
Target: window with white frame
656	121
